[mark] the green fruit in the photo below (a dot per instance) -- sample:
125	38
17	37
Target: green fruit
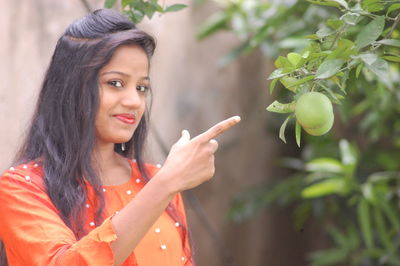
322	130
314	113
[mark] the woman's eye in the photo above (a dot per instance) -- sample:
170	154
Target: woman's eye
142	88
115	83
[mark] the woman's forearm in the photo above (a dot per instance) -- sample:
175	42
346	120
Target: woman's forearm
136	218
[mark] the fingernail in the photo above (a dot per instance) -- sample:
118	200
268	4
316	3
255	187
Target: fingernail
237	118
213	141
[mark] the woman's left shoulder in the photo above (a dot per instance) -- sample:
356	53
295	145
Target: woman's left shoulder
31	172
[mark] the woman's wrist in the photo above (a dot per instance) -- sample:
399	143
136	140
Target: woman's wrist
163	179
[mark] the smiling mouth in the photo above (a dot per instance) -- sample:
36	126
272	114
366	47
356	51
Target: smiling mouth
126	118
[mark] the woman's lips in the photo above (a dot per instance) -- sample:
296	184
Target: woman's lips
126	118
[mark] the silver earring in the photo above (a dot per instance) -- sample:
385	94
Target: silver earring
123	146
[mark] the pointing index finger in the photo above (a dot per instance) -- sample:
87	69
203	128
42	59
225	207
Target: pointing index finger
219	128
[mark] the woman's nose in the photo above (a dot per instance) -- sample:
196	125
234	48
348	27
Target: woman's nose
132	98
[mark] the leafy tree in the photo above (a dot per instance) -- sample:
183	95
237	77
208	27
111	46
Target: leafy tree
136	10
349	53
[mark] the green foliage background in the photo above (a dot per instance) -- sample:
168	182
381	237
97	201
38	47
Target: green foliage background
349	178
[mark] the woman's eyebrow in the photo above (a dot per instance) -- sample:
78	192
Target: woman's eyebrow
114	72
122	74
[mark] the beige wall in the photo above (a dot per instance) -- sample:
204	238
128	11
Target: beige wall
191	91
31	29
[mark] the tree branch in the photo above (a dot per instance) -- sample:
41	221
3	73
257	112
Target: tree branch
393	26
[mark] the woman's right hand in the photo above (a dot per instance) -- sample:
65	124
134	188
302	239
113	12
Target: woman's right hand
191	161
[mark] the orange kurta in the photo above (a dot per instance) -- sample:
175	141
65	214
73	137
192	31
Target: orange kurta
34	233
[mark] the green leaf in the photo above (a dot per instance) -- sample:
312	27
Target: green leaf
133	3
338	237
364	219
343	3
304	80
381	69
390	42
294	58
283	62
291	83
213	24
156	6
280	62
277	74
368	192
392	8
288	83
135	16
382	229
345	49
334	3
324	32
390	213
339	96
392	58
301	214
372	5
109	3
370	32
311	37
314	177
174	8
324	165
358	70
348	153
272	85
334	23
336	80
332	256
329	68
332	96
324	188
305	54
149	9
351	18
283	128
298	134
282	108
369	59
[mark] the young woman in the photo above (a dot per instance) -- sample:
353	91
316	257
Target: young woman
79	192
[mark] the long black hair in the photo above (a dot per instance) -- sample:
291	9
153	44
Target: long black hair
62	136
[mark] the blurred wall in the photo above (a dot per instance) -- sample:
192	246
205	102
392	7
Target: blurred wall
191	91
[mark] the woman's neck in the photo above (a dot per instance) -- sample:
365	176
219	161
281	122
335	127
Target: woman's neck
106	156
112	167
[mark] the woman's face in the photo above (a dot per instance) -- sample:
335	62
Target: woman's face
124	82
